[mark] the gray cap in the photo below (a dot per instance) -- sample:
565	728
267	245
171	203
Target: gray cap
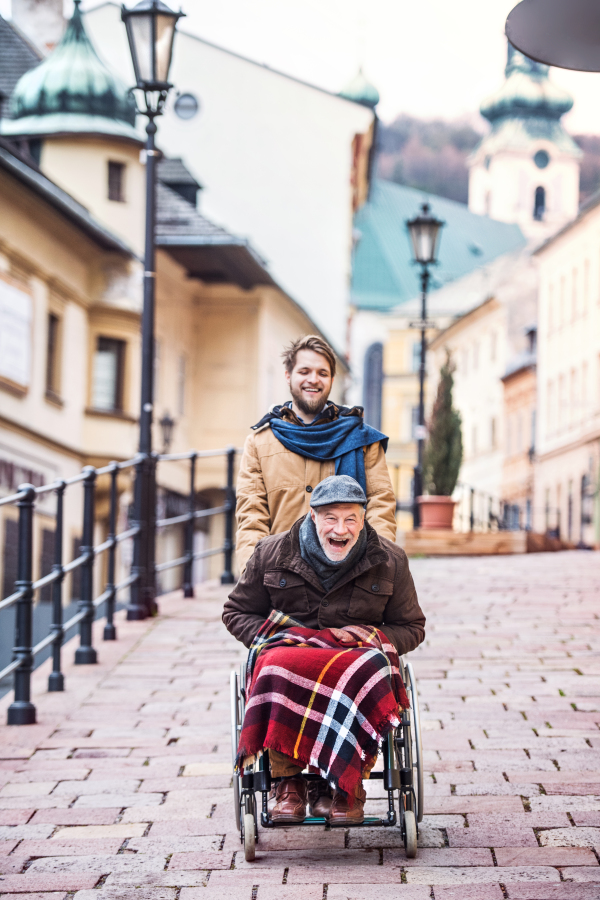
338	489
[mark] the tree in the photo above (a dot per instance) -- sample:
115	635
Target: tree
444	450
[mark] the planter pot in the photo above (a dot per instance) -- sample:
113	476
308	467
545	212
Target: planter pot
436	512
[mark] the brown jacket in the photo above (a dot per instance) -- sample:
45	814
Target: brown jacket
274	487
378	590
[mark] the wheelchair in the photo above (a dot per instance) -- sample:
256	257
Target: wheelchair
402	775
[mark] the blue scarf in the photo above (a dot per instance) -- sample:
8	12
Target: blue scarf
342	440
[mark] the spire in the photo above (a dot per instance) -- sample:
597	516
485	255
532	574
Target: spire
527	92
361	91
72	91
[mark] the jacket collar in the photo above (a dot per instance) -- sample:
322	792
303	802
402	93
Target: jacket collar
290	558
330	413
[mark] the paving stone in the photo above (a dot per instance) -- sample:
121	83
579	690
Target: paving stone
365	892
87	832
469	892
76	816
586	818
563	891
570	837
545	856
128	893
206	859
446	857
339	874
481	875
24	832
53	895
31	883
97	847
15	816
477	836
585	873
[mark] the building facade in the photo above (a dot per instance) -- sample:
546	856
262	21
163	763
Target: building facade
568	430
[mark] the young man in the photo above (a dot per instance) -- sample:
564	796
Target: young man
297	445
333	573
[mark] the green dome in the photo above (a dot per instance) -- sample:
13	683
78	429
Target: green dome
527	92
361	91
72	91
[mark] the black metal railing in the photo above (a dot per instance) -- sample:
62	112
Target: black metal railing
22	711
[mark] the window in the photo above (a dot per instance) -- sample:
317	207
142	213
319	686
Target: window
539	204
562	400
107	380
519	448
509	429
574	297
584	389
181	386
547	510
116	181
475	355
532	433
373	384
493	346
414	422
493	434
551	309
550	419
586	287
416	356
53	356
465	361
474	440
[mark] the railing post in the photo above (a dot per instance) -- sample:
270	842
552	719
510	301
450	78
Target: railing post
472	510
110	632
22	711
85	653
136	609
227	576
188	587
149	587
56	679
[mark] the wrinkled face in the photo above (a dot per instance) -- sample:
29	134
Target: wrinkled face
338	528
310	382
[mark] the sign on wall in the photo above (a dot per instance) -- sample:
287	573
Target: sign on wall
15	334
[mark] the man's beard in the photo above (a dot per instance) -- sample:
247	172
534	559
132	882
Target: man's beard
309	407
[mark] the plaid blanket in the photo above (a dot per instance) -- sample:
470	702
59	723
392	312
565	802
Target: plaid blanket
326	704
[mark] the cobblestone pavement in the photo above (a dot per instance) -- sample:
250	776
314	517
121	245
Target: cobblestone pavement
122	790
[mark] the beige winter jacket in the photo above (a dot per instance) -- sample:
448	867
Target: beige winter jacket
274	487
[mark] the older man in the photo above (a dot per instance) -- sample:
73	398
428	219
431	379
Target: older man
330	572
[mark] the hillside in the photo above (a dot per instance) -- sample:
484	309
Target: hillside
431	155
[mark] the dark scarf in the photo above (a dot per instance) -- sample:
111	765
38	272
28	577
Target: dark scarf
342	440
328	572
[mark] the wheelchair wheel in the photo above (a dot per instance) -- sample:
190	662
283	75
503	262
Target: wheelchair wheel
417	747
236	725
409	833
249	828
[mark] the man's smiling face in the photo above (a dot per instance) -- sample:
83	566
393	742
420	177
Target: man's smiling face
338	528
310	382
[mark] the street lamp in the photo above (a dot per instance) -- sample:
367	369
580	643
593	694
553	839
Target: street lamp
150	29
563	33
425	232
167	424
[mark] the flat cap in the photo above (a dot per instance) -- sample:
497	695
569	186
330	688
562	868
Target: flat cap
338	489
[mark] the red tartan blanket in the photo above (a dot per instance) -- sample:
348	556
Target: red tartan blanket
326	704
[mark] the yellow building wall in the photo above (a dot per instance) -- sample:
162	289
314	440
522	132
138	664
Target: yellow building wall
80	166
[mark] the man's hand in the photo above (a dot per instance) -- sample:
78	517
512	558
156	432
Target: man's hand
343	636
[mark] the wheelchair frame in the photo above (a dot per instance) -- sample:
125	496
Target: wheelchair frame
402	774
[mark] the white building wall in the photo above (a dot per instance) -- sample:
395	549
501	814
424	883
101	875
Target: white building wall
568	428
504	186
274	155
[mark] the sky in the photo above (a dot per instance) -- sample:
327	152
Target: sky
432	58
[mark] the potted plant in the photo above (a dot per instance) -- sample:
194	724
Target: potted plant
443	455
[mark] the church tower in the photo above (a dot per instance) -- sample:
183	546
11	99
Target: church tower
526	170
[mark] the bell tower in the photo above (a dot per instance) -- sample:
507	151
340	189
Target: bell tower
526	170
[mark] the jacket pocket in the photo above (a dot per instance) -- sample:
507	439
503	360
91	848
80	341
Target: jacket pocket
369	599
287	592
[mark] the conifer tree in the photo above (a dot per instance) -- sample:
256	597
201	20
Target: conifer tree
444	450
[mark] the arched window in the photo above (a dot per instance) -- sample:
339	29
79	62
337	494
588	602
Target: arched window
373	381
539	206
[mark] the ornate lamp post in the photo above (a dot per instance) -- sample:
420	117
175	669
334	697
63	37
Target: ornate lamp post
562	33
425	231
150	31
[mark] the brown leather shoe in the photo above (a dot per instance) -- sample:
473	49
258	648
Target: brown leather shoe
291	799
343	814
319	798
